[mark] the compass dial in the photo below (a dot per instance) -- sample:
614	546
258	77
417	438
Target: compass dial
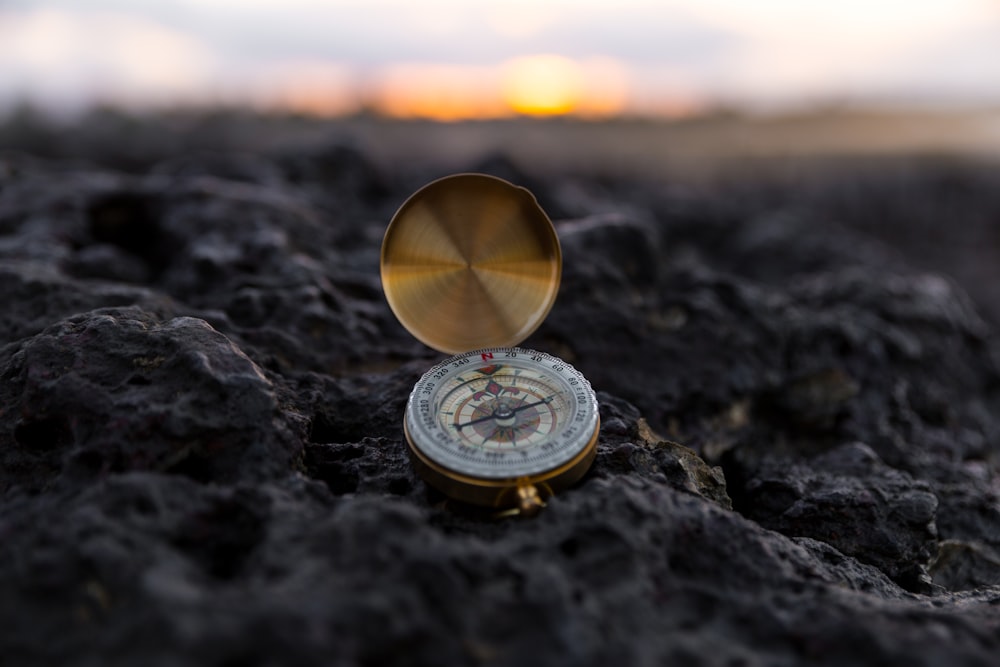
503	411
502	414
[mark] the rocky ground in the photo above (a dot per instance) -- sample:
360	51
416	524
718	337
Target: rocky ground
202	462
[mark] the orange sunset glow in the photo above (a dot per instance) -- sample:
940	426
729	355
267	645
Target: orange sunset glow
439	92
533	85
543	85
449	60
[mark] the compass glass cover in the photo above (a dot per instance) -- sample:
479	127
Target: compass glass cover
502	413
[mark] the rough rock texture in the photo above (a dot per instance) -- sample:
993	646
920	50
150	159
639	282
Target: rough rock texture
202	463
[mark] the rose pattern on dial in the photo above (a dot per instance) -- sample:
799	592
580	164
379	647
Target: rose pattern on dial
502	408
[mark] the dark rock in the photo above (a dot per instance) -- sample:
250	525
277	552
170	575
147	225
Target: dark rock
968	516
130	221
117	390
850	500
36	294
610	252
883	201
201	574
239	167
202	459
963	566
338	170
629	447
811	401
373	465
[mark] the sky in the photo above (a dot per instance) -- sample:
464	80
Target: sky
494	58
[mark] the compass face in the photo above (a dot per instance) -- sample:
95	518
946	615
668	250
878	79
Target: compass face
502	413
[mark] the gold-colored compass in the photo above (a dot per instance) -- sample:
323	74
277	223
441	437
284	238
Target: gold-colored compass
471	266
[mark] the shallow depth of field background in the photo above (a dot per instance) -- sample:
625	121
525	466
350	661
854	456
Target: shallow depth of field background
645	88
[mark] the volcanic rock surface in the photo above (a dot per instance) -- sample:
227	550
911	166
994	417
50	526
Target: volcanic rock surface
202	460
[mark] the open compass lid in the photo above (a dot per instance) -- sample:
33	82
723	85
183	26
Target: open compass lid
470	261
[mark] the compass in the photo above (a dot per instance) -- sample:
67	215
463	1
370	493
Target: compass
470	266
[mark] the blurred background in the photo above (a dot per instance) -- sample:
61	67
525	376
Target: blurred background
604	85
